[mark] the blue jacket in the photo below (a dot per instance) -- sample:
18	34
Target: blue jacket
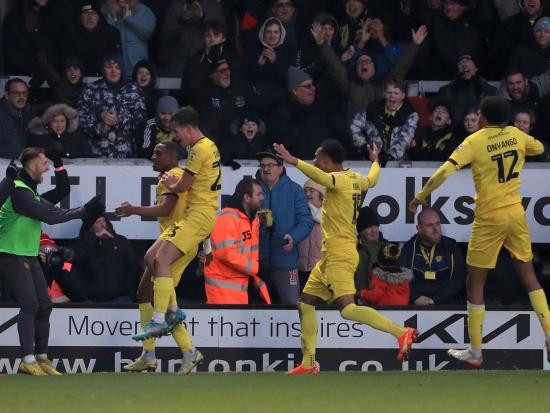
135	32
291	215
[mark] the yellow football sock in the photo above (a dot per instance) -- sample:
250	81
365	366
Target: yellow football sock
182	338
540	305
163	289
145	315
372	318
476	312
308	335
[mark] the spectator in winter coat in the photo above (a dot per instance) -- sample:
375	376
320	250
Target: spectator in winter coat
435	143
390	123
369	240
292	223
89	38
388	281
310	248
145	76
302	121
111	111
181	32
30	30
436	261
157	129
467	89
361	86
453	35
535	60
107	263
269	59
15	114
248	137
59	125
135	23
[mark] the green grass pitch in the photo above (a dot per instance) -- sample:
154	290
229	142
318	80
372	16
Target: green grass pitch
408	392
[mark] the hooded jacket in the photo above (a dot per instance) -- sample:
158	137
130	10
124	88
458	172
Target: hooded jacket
110	268
149	93
291	215
72	141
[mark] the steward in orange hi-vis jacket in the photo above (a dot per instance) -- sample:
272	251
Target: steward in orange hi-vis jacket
235	257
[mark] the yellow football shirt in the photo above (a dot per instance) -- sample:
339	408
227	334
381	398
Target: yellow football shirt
178	210
204	163
497	156
341	203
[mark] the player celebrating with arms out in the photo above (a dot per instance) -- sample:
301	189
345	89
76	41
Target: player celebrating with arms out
332	278
497	154
168	209
202	182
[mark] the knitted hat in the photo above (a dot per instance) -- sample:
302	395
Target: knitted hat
388	257
542	24
465	3
367	218
296	77
86	5
314	185
167	104
389	254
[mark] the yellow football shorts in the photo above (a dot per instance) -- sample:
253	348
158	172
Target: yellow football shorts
188	233
178	267
506	227
332	276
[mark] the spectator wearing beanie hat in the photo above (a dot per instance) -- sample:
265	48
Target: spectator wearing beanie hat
89	38
222	96
145	76
534	60
310	248
301	122
369	241
388	281
248	136
157	129
467	88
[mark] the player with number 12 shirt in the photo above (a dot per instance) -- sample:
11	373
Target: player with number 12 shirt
496	154
331	280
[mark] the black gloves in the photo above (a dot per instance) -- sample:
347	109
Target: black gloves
230	162
12	171
94	209
55	151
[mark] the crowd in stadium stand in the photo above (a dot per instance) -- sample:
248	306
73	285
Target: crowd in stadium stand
298	71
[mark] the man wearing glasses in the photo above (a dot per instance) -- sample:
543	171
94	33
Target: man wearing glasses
285	221
15	114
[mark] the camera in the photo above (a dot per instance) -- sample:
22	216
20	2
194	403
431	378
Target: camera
54	258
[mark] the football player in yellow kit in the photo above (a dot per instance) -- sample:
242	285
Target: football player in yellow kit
201	180
496	154
332	279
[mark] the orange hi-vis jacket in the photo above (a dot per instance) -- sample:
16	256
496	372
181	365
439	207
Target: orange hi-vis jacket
235	259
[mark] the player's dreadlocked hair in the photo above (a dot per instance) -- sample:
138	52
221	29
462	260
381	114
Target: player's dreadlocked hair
334	150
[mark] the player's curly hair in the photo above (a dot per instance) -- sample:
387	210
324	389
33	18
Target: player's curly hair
496	110
334	150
